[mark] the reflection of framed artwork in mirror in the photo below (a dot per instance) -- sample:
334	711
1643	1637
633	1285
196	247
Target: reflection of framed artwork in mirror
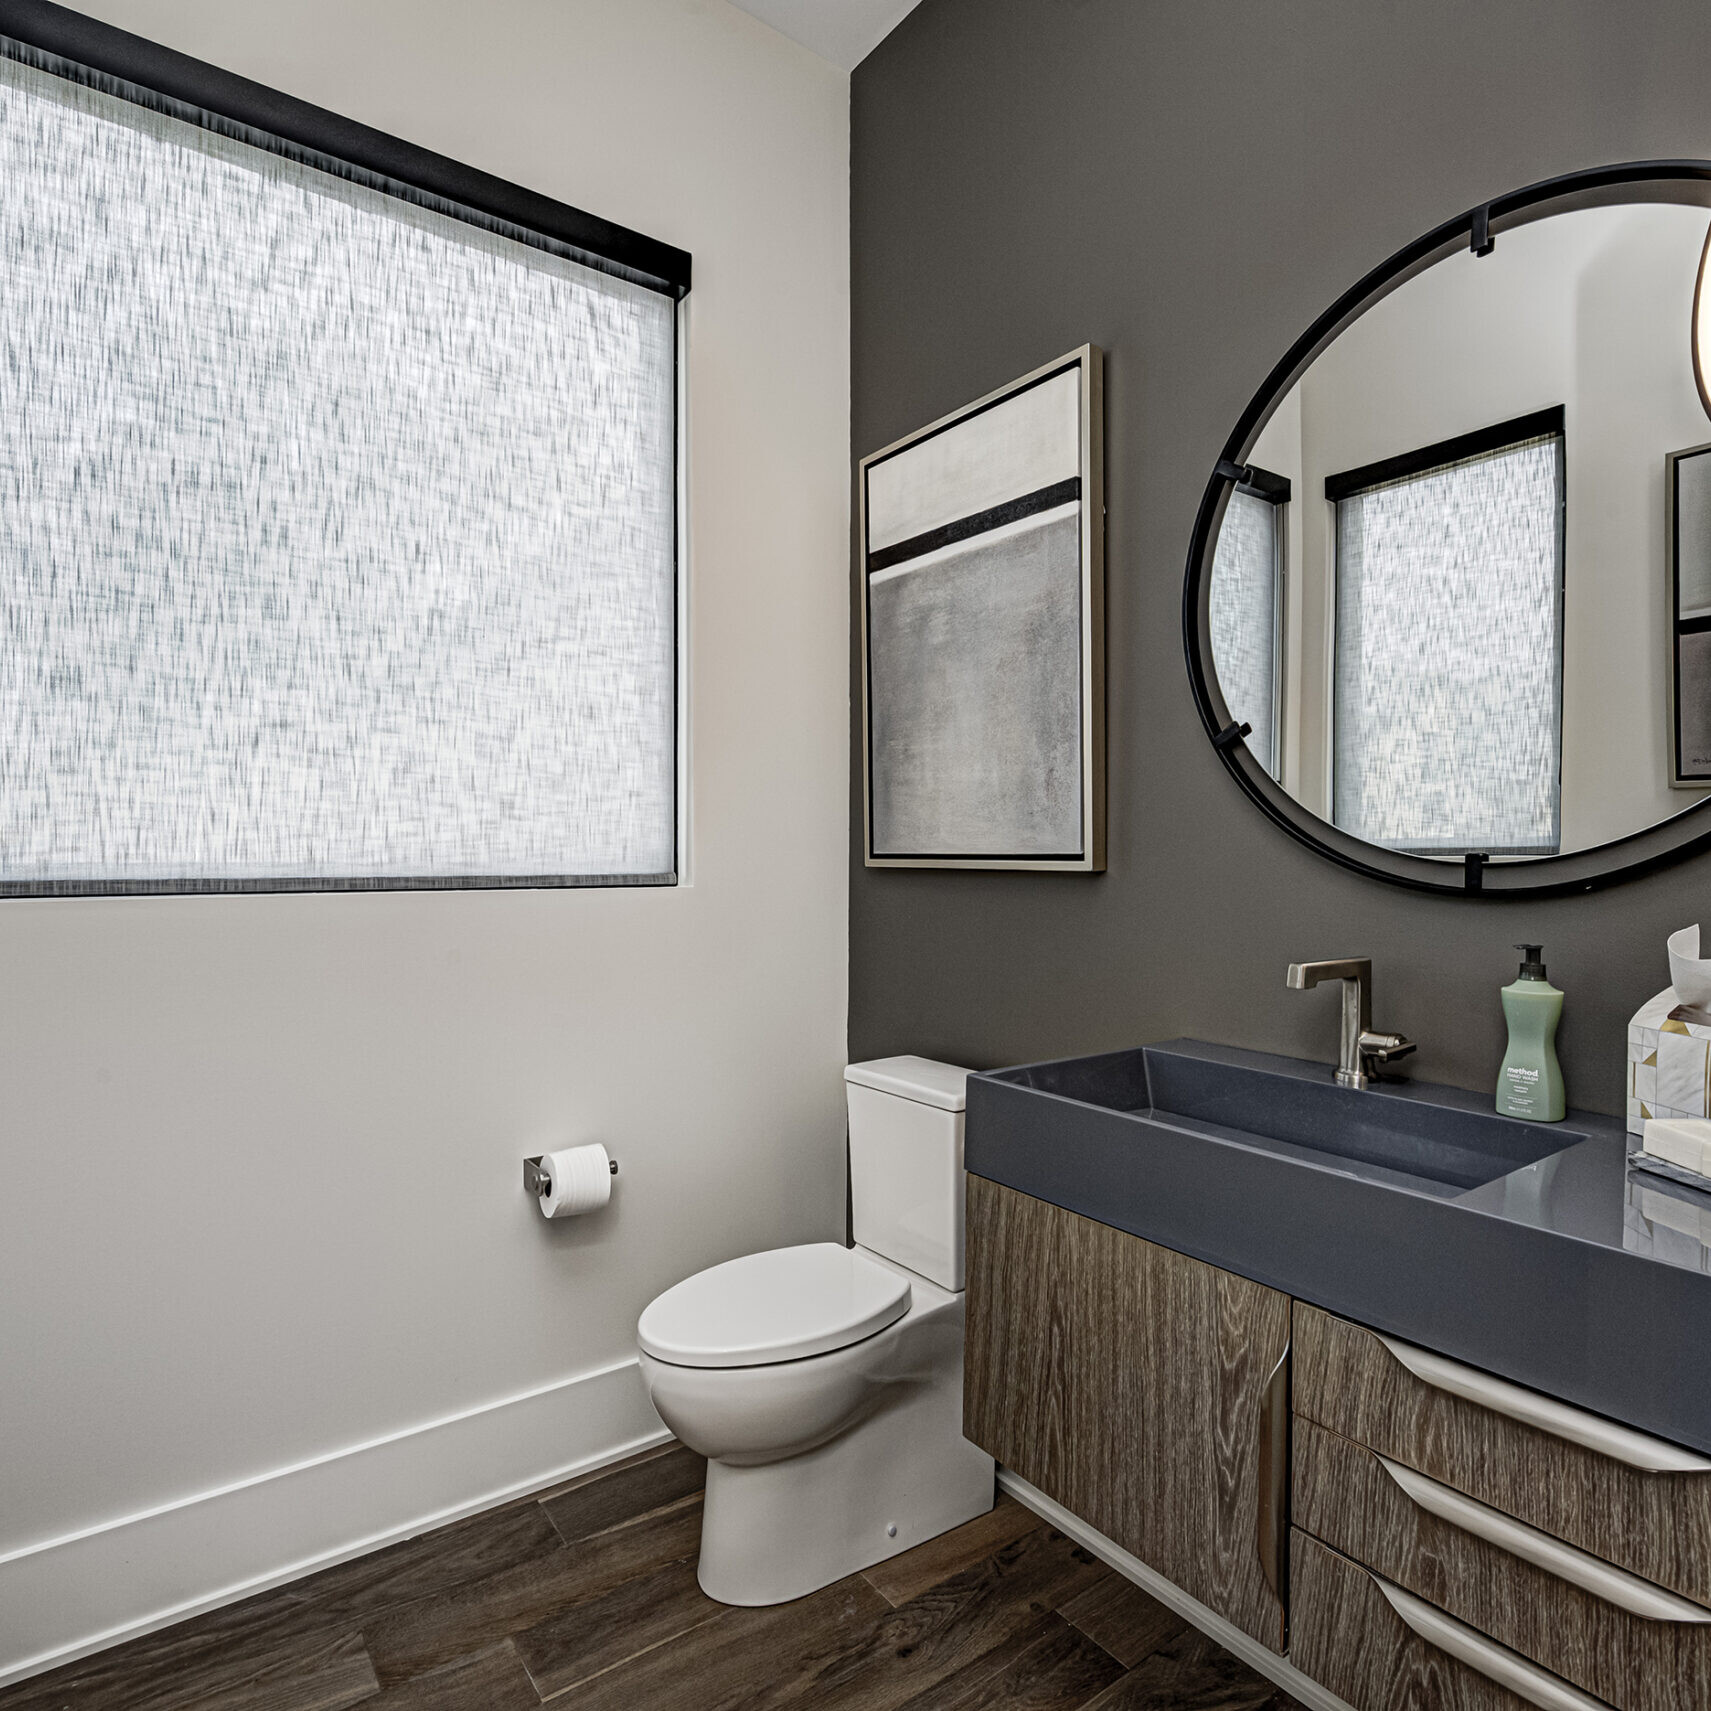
1689	487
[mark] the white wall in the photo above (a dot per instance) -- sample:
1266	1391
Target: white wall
1589	310
262	1195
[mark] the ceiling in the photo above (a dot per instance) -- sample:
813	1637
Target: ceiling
843	31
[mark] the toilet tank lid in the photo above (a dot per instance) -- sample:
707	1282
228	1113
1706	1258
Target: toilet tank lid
917	1078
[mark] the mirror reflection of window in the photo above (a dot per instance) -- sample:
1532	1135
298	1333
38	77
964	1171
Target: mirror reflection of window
1448	646
1246	598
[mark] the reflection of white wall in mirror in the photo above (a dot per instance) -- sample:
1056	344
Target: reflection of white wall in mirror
1584	310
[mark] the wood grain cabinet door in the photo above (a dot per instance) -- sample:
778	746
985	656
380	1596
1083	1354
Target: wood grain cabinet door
1379	1648
1626	1641
1636	1501
1143	1390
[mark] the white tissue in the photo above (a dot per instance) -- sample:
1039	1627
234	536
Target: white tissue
1690	977
579	1179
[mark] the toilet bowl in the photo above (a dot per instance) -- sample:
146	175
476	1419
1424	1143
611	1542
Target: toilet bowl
824	1383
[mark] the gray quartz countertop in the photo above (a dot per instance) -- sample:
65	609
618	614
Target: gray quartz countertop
1576	1274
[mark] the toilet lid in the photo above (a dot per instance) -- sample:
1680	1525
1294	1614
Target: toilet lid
785	1304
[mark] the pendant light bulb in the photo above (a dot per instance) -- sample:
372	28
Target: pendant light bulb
1702	328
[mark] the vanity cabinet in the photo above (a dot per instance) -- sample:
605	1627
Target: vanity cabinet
1625	1641
1454	1541
1143	1390
1627	1498
1448	1520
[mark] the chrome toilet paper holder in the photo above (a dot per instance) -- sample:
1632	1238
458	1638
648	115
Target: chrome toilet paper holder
537	1182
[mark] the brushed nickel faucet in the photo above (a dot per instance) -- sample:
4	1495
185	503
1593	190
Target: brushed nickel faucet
1361	1052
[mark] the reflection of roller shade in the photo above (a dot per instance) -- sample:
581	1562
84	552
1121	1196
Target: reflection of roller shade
1448	675
1243	619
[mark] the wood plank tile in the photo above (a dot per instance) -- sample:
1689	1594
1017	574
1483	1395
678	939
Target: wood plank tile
731	1660
325	1674
475	1548
1192	1673
869	1658
918	1646
580	1479
905	1576
318	1672
431	1563
593	1636
207	1651
479	1613
1126	1621
494	1680
1057	1669
623	1494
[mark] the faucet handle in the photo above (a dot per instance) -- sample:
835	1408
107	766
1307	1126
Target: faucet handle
1384	1048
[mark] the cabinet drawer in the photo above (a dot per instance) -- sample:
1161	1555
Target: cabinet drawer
1382	1649
1633	1500
1621	1638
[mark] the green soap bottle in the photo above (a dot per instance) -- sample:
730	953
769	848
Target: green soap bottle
1529	1084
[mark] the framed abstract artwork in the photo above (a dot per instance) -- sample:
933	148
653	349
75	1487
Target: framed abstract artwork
1689	487
982	572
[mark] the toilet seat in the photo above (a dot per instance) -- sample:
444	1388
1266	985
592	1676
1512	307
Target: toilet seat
782	1305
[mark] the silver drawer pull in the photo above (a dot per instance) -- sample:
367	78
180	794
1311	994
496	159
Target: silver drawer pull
1590	1431
1614	1585
1272	1521
1485	1657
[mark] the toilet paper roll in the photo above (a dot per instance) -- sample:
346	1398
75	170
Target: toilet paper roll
579	1179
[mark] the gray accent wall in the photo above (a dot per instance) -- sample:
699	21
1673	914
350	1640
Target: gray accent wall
1187	186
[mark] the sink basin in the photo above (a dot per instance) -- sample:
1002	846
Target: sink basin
1433	1140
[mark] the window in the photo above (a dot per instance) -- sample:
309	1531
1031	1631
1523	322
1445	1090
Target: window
1449	644
338	513
1247	610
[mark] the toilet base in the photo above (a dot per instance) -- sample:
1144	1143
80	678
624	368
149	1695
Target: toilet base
786	1528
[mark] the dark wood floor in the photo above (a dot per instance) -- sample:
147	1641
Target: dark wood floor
585	1597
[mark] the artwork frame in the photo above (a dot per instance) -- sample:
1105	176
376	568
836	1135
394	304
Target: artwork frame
982	582
1687	484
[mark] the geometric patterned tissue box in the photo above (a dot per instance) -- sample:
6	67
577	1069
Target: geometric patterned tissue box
1669	1061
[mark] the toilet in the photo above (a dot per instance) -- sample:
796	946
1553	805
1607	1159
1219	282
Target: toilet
824	1383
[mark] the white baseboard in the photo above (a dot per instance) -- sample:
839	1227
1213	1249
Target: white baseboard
1230	1637
65	1597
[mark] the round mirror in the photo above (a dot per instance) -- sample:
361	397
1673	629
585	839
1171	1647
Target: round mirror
1449	599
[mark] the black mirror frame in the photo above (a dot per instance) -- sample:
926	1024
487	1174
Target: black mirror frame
1682	834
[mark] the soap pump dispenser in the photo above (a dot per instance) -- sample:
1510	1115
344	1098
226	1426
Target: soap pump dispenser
1529	1085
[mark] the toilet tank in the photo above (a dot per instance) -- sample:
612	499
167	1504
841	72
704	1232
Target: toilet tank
906	1187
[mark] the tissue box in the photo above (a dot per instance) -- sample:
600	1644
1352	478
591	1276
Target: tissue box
1669	1061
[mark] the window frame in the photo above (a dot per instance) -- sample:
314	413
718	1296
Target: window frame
1550	424
116	63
